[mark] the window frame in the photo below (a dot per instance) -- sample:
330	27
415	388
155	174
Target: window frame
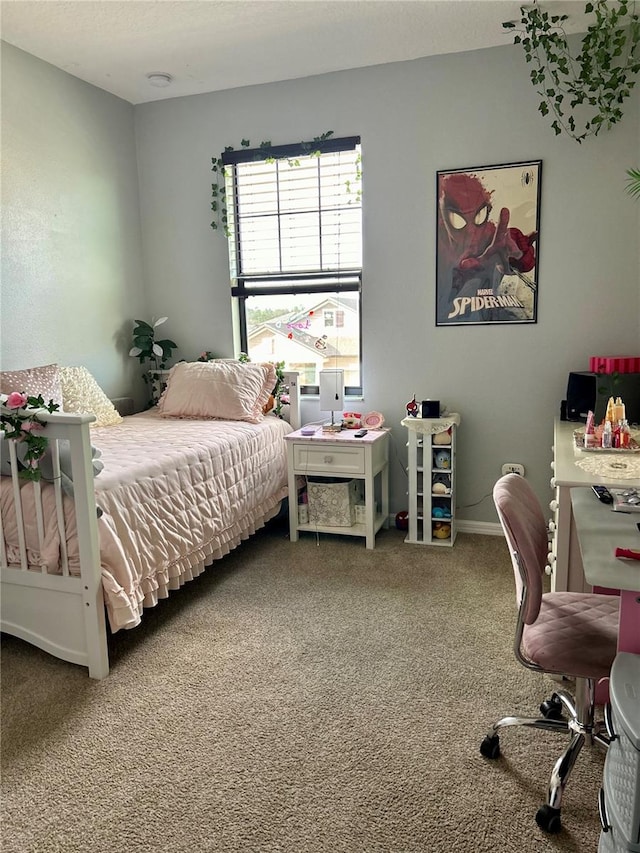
244	286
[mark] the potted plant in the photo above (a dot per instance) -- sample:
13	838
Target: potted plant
146	348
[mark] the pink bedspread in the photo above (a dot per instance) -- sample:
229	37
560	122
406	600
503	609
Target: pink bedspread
175	495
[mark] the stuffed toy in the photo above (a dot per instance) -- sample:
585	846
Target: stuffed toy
441	530
442	437
441	484
441	512
442	459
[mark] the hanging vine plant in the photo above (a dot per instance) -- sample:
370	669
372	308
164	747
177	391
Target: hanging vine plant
267	152
584	93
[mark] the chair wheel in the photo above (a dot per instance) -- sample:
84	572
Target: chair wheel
551	709
548	819
490	747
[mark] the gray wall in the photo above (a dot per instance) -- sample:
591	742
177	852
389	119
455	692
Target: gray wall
415	118
71	238
71	258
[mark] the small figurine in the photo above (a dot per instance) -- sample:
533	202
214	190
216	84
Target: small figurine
412	408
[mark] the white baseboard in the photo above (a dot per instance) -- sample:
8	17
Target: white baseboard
486	528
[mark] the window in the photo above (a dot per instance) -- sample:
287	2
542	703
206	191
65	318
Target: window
295	250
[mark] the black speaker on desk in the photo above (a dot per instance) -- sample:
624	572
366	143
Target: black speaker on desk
583	395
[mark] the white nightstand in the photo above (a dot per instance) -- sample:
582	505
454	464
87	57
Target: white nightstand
341	454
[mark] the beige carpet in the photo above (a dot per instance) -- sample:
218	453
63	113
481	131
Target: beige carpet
299	698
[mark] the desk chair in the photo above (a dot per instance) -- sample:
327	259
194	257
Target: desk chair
563	633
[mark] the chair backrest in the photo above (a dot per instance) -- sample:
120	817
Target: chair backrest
526	533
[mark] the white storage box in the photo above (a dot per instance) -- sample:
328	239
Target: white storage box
331	501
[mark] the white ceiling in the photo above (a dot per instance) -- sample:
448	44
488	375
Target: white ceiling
210	45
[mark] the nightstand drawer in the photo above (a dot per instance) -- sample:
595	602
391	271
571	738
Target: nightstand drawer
329	460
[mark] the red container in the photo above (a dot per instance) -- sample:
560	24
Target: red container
614	364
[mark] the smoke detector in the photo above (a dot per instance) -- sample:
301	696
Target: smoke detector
160	79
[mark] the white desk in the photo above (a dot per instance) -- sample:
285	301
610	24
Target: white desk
567	571
600	531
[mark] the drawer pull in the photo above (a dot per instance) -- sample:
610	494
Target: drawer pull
602	812
328	459
608	722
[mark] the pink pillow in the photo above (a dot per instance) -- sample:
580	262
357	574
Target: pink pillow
228	390
32	381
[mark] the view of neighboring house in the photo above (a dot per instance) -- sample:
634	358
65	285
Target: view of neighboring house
324	336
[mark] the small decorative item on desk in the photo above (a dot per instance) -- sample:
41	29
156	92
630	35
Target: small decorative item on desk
613	434
373	420
351	420
412	408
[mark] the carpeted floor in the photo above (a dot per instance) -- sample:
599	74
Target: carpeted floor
313	697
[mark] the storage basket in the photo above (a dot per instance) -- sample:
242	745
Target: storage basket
331	501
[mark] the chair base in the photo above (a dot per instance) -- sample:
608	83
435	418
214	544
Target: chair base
579	723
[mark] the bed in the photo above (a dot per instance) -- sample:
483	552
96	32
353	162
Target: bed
179	487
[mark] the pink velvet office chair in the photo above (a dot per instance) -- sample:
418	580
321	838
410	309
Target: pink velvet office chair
564	633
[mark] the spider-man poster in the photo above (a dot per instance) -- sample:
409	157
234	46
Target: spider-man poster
487	252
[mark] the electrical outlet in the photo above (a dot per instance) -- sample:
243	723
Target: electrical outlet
513	468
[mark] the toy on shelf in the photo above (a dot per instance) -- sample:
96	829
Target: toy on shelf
412	408
440	512
442	459
441	484
443	437
441	529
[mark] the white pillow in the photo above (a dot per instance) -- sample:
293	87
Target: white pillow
81	393
227	390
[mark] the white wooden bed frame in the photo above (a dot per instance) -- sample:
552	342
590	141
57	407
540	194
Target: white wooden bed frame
63	614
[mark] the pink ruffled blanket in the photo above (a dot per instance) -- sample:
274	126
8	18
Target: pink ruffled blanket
175	495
